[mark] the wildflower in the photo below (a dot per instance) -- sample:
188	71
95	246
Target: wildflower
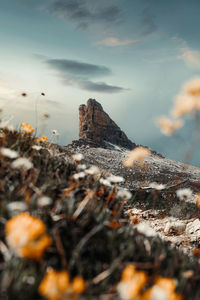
124	194
131	284
44	201
115	179
184	194
81	167
56	285
27	128
45	116
163	289
78	176
157	186
192	87
22	162
137	154
104	182
55	132
145	229
184	104
168	126
78	285
9	153
36	147
26	235
93	170
77	157
16	207
43	139
114	224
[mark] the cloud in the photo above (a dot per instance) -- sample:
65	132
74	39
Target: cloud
148	21
79	74
78	68
190	57
115	42
100	87
83	14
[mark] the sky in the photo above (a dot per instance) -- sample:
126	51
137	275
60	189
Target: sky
132	56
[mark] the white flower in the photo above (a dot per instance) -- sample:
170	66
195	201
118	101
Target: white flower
124	194
55	132
115	179
92	170
16	207
185	194
44	201
9	153
157	186
104	182
145	229
80	175
36	147
22	162
77	157
81	167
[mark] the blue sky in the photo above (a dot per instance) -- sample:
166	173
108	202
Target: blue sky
130	55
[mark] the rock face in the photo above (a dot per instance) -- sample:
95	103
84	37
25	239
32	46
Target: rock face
96	125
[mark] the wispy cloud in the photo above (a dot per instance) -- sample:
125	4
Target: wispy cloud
78	68
79	74
115	42
81	13
190	57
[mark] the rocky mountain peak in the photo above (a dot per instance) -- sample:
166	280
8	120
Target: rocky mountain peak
96	125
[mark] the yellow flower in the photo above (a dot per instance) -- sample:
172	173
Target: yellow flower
169	126
26	235
163	289
132	282
43	139
184	104
27	128
137	154
192	87
56	285
78	285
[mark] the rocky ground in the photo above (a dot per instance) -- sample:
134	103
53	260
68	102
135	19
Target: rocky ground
175	221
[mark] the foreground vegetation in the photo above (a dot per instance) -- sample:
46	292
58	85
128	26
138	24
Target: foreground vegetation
64	234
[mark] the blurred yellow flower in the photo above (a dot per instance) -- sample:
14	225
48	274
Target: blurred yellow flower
192	87
43	139
163	289
26	235
184	104
27	128
168	126
137	154
56	285
132	282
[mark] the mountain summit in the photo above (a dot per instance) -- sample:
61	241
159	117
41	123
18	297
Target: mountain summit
96	125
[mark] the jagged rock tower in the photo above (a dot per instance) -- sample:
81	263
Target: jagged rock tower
96	125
